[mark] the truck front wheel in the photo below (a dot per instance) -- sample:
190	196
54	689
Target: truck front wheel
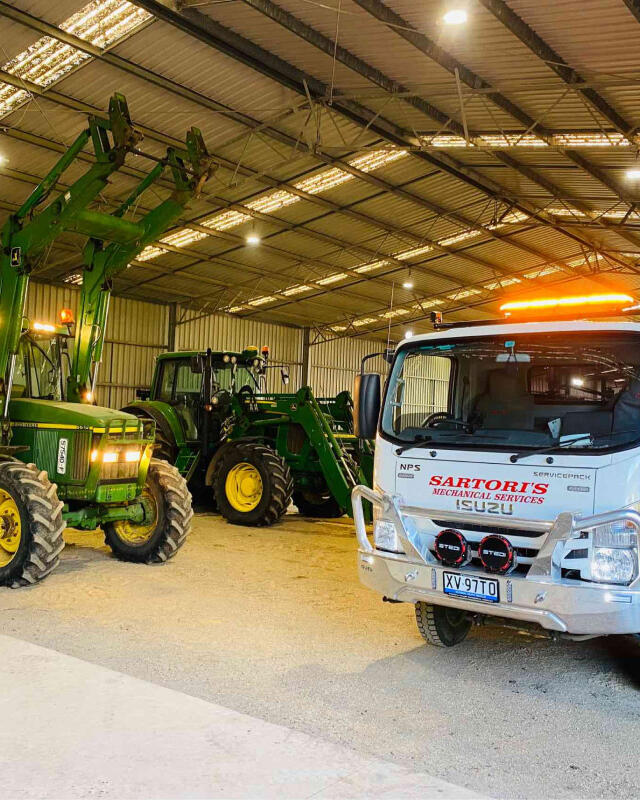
159	537
442	626
252	485
31	524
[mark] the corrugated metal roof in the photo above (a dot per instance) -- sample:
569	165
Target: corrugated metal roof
303	240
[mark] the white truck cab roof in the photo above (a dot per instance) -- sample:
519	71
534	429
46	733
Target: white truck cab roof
508	328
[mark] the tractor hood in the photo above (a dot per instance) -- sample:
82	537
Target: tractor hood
54	413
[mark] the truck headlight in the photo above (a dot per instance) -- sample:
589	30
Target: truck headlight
385	536
614	553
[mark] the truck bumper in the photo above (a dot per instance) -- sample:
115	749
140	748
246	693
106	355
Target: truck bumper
542	596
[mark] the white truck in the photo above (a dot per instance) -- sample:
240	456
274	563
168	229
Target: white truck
507	474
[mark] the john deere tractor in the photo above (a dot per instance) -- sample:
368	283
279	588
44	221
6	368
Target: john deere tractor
63	460
250	451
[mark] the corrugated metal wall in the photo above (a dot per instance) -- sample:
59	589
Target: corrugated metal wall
334	364
138	331
221	332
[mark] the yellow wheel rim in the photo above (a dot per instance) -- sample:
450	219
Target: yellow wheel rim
10	528
243	487
138	533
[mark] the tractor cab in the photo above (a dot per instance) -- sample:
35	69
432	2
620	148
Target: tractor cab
198	386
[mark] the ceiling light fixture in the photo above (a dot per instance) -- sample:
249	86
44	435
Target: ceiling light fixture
407	285
253	239
457	16
633	174
408	334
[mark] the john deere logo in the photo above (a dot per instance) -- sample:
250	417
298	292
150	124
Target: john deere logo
16	256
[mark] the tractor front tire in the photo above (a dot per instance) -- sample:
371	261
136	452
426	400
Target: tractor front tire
320	506
159	538
252	485
31	524
442	626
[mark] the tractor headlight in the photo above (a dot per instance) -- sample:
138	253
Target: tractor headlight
109	457
614	553
132	455
226	358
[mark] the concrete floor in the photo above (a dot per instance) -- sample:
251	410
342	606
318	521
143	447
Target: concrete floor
273	623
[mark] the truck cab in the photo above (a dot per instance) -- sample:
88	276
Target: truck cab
507	478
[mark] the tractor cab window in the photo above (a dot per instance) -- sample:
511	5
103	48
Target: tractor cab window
181	387
39	368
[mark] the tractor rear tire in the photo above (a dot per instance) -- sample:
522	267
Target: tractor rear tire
252	485
31	524
320	506
442	626
158	539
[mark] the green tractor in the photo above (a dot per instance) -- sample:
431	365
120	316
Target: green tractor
101	460
250	451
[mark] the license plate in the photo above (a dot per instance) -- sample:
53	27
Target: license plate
471	586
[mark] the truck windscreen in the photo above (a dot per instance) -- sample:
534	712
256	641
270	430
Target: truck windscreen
518	390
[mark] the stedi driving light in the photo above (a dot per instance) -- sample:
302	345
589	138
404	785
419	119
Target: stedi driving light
44	327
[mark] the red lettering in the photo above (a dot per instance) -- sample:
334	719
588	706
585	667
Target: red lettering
491	486
464	482
540	488
448	481
435	480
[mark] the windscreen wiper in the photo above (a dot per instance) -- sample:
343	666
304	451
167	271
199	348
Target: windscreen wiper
563	445
415	443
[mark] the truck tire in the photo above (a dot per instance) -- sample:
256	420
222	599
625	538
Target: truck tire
320	506
442	626
158	539
252	485
31	524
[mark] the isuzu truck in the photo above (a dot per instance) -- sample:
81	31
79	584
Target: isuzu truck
507	472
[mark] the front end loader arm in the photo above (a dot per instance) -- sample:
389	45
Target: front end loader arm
29	231
189	169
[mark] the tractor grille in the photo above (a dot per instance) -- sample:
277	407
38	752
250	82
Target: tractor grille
80	455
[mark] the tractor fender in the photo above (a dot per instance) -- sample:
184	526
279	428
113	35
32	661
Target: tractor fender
219	455
163	415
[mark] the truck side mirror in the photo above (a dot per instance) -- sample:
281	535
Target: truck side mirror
366	404
284	373
143	394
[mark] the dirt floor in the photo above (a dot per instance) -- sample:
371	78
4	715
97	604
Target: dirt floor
273	623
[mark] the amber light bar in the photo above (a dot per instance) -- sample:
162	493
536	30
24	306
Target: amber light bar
553	303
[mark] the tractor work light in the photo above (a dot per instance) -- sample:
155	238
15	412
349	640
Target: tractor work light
226	358
44	327
614	301
65	315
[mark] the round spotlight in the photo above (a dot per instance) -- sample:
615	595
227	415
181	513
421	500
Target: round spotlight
457	16
407	285
253	239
